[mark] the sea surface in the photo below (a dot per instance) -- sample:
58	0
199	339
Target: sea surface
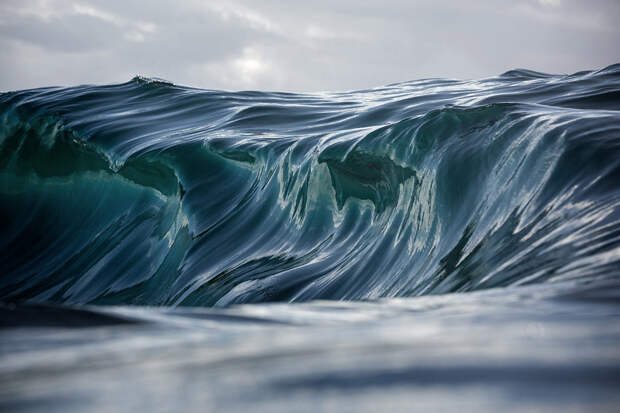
432	245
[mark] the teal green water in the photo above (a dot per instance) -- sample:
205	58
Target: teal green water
155	194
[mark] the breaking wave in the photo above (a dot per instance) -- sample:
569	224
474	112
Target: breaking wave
151	193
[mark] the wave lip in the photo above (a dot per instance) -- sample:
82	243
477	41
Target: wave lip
151	193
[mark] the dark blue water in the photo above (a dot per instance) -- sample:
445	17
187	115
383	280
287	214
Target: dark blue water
483	215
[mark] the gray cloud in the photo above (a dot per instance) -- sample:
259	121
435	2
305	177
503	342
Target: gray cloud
283	45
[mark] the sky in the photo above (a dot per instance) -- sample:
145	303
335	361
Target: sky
298	45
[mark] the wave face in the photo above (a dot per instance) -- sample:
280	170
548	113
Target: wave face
151	193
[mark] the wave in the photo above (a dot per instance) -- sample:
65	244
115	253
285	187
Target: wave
151	193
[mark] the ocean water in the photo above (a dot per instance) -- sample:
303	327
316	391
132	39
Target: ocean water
428	245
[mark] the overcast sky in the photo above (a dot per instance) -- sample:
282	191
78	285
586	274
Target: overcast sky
298	45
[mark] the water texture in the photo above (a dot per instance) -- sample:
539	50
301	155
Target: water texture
154	194
434	244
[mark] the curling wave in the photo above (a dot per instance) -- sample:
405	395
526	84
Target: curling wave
155	194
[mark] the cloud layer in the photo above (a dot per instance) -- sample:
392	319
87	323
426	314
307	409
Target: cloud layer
298	46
